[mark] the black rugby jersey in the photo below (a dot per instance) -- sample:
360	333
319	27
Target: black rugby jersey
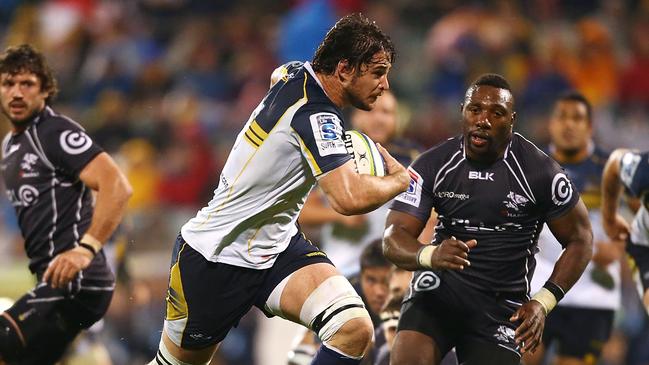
502	205
40	167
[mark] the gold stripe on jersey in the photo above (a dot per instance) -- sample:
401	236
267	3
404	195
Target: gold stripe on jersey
252	238
251	137
255	135
309	156
176	304
258	131
303	100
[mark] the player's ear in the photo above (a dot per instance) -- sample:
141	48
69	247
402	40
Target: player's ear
344	70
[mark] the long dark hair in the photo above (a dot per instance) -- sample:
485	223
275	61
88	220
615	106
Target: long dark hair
25	58
353	38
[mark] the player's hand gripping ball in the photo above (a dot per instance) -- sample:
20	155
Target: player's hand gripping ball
367	157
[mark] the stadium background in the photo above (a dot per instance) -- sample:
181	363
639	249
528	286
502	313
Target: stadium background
165	85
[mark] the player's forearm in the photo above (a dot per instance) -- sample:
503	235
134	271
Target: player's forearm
401	248
365	194
112	197
611	185
572	262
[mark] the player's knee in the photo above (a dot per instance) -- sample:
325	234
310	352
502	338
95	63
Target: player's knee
356	333
330	306
12	345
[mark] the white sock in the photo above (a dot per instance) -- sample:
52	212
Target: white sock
163	357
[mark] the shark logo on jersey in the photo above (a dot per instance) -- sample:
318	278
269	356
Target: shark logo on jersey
75	142
328	131
561	189
412	196
515	202
27	165
505	334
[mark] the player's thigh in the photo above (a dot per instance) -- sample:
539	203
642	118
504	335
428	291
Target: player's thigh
414	348
305	287
301	285
536	357
206	299
48	320
487	353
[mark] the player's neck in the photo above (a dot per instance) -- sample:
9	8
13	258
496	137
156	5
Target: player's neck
18	127
333	88
571	156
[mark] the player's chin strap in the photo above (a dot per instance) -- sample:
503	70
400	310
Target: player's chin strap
549	295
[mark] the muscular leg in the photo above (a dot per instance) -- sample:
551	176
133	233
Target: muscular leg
414	348
349	340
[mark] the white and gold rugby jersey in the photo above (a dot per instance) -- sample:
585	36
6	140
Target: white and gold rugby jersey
293	137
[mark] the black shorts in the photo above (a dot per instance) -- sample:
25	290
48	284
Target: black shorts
206	299
49	319
456	315
640	255
578	332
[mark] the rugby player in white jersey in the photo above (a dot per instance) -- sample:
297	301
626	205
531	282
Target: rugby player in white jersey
245	249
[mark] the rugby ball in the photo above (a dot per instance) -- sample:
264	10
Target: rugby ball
364	152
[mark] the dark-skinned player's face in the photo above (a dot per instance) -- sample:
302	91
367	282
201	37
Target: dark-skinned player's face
368	83
487	121
570	128
21	96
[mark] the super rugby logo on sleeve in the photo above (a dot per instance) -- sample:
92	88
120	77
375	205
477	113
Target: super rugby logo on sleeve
328	131
412	196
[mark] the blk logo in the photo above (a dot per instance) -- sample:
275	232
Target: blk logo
480	175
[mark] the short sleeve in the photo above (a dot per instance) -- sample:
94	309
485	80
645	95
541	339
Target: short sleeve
320	134
557	193
66	145
634	172
417	200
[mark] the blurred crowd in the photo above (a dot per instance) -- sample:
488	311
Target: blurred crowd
165	85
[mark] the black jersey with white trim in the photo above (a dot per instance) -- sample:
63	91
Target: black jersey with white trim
40	167
502	205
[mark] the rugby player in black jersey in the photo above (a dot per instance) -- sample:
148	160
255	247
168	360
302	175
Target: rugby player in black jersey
492	190
50	166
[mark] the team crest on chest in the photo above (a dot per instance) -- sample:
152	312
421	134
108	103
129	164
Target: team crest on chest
514	205
27	165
